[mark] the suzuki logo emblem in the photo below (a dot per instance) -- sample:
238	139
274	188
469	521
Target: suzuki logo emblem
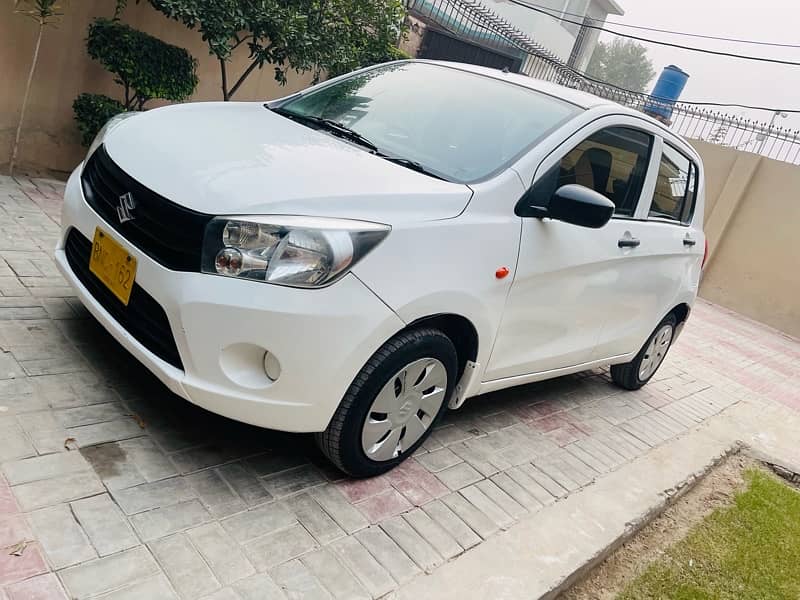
126	205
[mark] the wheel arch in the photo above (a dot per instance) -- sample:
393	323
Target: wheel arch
681	312
461	331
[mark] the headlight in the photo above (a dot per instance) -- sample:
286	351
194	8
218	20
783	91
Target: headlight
106	129
287	250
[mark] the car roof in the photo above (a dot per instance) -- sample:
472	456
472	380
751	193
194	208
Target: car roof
581	99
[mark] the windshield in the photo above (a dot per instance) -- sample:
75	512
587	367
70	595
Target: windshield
458	125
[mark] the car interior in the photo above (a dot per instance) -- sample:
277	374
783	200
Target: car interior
612	162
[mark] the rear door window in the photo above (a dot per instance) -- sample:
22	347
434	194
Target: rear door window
676	187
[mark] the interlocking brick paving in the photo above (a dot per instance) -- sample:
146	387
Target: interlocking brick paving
118	489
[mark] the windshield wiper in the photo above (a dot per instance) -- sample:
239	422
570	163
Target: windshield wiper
345	132
409	164
330	125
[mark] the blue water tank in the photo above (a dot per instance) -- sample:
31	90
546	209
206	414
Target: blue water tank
666	92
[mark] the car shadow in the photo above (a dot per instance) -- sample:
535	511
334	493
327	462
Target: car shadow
195	438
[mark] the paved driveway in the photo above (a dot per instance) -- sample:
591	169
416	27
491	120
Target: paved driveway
112	487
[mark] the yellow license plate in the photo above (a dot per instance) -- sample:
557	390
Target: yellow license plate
113	265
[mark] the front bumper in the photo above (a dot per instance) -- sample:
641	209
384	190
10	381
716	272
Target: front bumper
223	327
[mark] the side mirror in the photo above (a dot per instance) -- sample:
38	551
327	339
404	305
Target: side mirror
579	205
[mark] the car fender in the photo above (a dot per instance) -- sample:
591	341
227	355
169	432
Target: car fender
444	268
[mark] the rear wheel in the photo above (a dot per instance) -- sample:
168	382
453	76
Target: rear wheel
393	403
635	374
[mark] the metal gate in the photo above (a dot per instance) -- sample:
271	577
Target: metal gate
437	44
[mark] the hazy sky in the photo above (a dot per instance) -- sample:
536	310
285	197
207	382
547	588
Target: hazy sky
722	79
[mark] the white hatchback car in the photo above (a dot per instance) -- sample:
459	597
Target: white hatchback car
355	258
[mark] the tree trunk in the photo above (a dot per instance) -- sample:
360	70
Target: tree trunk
224	71
244	76
15	148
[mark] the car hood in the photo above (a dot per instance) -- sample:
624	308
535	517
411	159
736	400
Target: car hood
241	158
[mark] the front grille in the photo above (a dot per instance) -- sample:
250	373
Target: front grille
168	233
143	318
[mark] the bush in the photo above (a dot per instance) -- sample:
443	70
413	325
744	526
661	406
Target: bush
144	65
91	112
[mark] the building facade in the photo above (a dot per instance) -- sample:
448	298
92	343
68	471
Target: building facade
449	30
562	33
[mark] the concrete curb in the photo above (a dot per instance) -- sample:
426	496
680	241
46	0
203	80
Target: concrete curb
668	498
787	469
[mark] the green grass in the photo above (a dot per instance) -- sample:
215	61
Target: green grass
747	551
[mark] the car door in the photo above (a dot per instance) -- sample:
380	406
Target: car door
670	252
568	277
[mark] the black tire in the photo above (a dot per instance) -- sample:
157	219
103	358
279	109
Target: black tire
341	441
627	375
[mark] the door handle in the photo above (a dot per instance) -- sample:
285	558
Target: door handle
628	242
689	242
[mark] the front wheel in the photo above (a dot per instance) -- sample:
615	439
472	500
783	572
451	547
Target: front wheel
635	374
393	403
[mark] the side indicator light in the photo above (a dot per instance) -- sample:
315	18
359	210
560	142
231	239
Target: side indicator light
502	273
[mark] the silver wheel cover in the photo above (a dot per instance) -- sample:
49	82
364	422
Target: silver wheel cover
656	351
404	409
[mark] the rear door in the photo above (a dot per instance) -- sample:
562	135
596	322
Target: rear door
669	254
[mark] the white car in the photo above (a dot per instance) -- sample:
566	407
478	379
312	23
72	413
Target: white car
356	258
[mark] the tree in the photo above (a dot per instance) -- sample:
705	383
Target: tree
330	36
143	65
623	63
44	12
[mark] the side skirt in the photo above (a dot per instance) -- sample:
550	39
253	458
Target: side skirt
507	382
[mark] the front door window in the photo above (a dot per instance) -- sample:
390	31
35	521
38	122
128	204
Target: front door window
613	162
